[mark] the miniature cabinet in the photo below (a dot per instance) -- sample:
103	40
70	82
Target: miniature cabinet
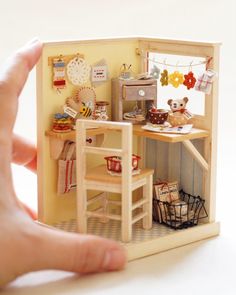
143	92
189	158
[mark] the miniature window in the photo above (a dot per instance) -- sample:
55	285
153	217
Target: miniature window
183	64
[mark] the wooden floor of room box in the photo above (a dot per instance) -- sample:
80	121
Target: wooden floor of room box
189	159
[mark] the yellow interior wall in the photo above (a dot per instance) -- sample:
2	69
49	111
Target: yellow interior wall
115	52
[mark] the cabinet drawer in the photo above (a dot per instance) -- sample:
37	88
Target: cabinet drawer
139	92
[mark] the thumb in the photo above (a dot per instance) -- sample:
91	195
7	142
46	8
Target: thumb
78	252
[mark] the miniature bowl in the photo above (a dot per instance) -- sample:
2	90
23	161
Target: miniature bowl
159	116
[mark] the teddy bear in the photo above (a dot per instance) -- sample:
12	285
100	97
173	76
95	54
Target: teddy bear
179	115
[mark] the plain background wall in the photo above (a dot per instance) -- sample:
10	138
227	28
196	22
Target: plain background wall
207	20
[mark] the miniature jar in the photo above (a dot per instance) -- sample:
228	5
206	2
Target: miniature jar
101	110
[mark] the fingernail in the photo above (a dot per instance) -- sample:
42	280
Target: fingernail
34	40
32	43
114	260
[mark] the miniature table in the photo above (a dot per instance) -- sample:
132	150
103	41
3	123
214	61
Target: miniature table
57	139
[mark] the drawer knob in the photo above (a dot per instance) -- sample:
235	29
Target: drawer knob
141	92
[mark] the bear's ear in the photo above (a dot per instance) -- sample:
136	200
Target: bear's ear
169	101
185	99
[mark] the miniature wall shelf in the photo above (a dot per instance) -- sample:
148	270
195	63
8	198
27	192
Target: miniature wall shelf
189	158
137	130
57	140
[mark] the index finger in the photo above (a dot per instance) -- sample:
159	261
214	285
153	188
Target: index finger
12	80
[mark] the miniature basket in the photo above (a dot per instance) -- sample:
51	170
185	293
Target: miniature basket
159	117
114	163
186	213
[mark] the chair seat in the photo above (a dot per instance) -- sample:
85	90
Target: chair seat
100	174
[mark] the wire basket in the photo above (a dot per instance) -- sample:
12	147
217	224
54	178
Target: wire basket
183	213
114	163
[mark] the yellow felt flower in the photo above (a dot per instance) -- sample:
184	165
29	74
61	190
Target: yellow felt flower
176	79
164	78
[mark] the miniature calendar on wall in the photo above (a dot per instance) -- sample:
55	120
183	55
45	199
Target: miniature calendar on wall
127	140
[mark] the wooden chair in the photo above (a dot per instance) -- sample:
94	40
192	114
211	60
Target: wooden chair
98	179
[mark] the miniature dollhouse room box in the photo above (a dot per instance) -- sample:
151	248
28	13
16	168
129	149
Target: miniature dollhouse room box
95	99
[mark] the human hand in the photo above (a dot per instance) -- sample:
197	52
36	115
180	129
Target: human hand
24	245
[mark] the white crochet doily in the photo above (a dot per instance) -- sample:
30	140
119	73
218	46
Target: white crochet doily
78	71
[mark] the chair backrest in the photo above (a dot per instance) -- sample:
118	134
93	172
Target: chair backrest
125	152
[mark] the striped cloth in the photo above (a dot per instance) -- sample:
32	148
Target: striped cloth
204	81
67	169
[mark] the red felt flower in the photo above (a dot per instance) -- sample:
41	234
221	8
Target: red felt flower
190	80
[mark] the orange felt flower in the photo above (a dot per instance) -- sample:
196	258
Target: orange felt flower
164	78
176	79
190	80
